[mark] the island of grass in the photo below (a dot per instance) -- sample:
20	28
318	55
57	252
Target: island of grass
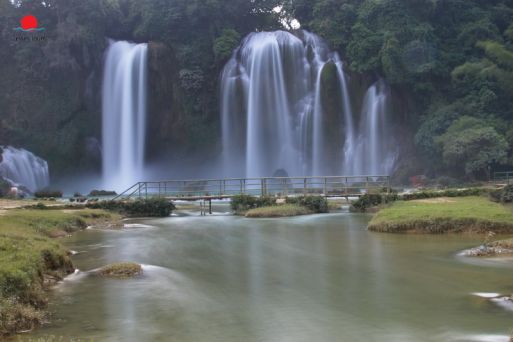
121	270
267	206
472	214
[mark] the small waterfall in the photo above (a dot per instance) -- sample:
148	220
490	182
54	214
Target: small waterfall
124	114
369	152
23	168
285	105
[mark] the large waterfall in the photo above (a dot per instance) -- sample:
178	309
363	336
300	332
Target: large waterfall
124	114
286	105
22	167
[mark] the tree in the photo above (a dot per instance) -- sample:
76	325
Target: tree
469	145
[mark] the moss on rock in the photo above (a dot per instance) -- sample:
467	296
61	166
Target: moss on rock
121	270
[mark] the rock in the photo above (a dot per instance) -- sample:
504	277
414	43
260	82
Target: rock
121	270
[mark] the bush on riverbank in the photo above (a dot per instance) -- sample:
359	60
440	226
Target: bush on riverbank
150	207
284	210
316	204
504	195
243	203
443	193
100	193
372	200
443	215
48	194
30	260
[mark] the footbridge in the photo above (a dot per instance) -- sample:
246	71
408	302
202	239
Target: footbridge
209	189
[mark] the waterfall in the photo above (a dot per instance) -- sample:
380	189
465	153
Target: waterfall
277	115
370	151
23	168
124	114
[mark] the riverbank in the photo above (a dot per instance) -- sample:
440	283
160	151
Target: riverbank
492	249
32	259
444	215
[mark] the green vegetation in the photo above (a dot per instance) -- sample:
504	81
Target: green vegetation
98	193
443	193
504	195
243	203
240	204
444	215
451	60
284	210
121	270
48	194
30	259
450	63
367	201
150	207
316	204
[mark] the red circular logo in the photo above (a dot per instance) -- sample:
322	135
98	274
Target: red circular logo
28	22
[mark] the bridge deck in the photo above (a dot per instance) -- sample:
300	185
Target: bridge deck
207	189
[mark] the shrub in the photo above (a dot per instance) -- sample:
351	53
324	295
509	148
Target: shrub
445	193
150	207
316	204
98	193
5	187
48	194
504	195
246	202
372	200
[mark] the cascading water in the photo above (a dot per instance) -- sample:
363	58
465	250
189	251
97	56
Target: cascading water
280	111
370	153
23	168
124	114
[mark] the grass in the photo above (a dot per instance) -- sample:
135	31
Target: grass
31	259
121	270
461	214
284	210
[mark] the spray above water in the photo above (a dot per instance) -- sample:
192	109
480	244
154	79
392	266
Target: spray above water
124	114
285	105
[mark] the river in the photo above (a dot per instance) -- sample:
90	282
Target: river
309	278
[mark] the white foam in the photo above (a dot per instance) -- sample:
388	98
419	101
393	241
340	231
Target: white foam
486	294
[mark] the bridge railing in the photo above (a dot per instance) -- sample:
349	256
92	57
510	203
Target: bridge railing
503	177
330	186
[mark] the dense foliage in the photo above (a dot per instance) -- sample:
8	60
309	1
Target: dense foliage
243	203
449	62
151	207
453	58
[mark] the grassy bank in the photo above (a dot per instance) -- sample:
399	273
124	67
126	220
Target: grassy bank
284	210
444	215
31	259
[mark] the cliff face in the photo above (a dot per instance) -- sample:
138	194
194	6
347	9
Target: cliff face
49	101
50	90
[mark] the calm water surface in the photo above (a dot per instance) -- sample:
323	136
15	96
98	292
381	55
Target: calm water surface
311	278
